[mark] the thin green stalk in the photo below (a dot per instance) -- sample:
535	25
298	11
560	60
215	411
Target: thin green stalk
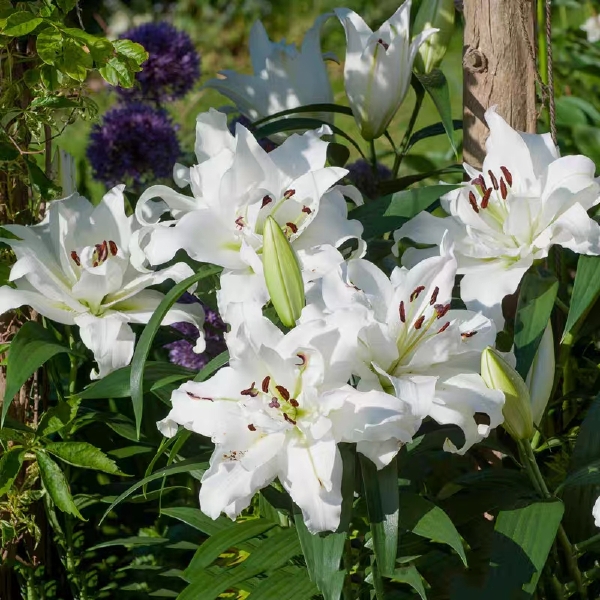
420	92
373	157
348	562
542	50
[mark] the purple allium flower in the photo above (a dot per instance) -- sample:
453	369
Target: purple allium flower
133	142
265	143
181	351
361	175
173	65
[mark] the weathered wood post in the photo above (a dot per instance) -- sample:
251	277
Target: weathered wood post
498	68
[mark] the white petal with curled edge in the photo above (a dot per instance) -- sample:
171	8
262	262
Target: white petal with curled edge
212	135
596	513
11	298
576	231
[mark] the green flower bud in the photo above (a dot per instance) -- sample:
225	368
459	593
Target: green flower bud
436	14
499	375
282	274
540	378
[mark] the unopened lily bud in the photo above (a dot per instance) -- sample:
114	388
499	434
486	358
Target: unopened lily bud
282	274
437	14
540	378
499	375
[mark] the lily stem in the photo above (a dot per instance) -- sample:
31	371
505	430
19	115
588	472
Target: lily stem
404	145
581	546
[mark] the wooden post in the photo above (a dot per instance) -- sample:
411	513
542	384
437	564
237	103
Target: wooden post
498	69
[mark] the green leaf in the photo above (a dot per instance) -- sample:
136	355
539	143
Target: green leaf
402	183
53	102
117	384
117	72
49	45
307	108
21	23
10	465
337	154
84	455
409	203
371	215
432	131
218	543
381	496
429	521
67	5
143	347
212	365
536	300
133	541
8	152
587	475
281	585
54	482
198	520
75	61
183	466
30	349
412	577
39	182
586	292
57	417
131	50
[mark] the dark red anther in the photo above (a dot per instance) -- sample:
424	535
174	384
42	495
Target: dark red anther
493	179
288	194
274	403
294	402
283	392
292	226
384	44
251	391
75	258
402	312
444	327
266	200
95	264
251	427
416	292
104	250
467	334
419	322
240	222
507	175
503	190
480	181
113	248
306	209
265	384
441	310
434	295
473	202
486	198
289	419
302	358
194	397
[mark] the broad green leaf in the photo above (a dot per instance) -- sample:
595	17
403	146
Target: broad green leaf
411	576
67	5
218	543
587	475
391	186
8	152
40	182
436	86
381	496
271	554
53	102
21	23
143	347
131	50
49	45
371	215
75	61
410	203
283	586
57	417
184	466
337	154
587	140
31	347
212	365
10	465
536	300
118	383
586	291
307	108
55	483
427	520
195	518
117	72
84	455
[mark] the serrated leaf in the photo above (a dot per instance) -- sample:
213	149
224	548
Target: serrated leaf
57	417
49	45
381	496
55	483
411	576
536	301
84	455
410	203
143	346
10	465
427	520
21	23
117	73
31	347
586	291
132	50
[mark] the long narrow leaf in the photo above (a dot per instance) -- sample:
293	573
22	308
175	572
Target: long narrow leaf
308	108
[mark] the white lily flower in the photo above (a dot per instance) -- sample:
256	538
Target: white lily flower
592	29
412	349
285	77
81	266
596	512
236	185
525	200
378	67
277	411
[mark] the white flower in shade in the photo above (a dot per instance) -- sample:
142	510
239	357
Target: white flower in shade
236	185
525	199
378	67
592	28
278	411
284	77
596	513
413	349
81	266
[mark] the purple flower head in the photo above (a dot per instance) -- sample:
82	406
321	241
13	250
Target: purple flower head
265	143
135	143
361	175
173	65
